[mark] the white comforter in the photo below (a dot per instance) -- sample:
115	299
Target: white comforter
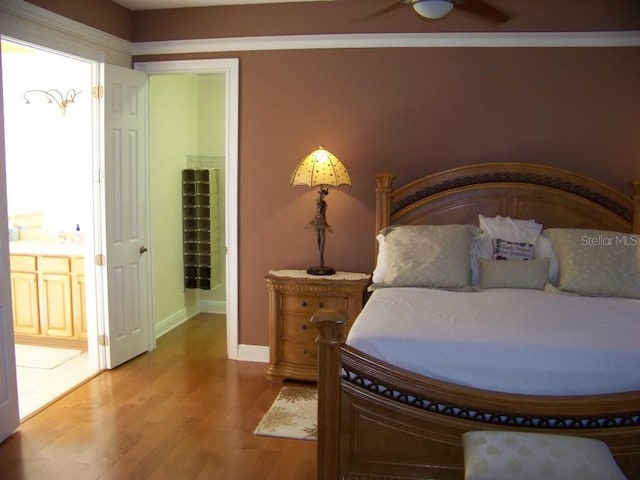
507	340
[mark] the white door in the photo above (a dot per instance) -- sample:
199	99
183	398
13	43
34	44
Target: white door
9	416
129	326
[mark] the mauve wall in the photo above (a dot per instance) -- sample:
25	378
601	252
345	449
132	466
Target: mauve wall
104	15
409	111
413	112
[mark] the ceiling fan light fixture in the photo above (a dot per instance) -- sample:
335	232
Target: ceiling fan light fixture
432	8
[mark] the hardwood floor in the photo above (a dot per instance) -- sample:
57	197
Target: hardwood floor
182	411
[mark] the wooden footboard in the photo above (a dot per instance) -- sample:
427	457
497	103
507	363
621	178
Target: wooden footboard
376	421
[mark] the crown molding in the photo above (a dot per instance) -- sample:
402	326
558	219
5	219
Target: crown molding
392	40
45	18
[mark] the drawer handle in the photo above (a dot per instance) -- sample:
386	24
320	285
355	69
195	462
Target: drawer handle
304	327
307	353
304	303
321	304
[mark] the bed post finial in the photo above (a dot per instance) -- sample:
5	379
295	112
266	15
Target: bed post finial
635	196
330	324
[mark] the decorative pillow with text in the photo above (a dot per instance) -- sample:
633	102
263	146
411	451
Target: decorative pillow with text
505	250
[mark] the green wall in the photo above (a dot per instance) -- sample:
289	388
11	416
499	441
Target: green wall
186	119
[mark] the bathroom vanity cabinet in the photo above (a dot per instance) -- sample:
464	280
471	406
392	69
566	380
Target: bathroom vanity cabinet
48	295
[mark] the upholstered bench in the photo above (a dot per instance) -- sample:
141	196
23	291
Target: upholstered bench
502	455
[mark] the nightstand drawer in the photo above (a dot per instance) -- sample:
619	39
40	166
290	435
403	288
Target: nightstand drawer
298	327
300	353
310	304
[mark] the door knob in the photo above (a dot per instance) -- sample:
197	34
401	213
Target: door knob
143	249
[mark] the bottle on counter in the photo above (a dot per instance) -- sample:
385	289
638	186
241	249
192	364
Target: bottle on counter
14	232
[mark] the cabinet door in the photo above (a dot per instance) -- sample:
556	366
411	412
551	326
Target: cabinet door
56	317
24	295
79	307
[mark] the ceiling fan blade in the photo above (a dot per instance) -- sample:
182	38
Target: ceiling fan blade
483	9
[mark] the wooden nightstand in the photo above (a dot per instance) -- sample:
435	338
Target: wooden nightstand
294	296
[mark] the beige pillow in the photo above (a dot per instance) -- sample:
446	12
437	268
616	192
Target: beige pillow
502	455
597	262
531	274
436	256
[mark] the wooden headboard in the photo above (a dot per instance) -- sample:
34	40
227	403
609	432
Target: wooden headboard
552	196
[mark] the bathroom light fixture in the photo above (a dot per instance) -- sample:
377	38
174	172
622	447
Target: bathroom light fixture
432	8
320	169
56	96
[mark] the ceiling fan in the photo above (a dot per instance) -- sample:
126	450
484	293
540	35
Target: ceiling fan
439	8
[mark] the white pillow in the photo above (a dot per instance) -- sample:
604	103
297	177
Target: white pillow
506	228
380	272
545	250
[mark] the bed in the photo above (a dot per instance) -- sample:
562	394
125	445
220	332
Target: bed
377	420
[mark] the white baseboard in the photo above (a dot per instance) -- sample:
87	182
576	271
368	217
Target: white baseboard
212	306
170	322
253	353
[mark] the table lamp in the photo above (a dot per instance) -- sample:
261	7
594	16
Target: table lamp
320	169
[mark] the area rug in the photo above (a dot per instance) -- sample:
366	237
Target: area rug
46	358
294	414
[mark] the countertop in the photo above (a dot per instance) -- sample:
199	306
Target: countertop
28	247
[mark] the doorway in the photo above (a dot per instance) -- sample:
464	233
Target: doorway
118	292
48	147
93	235
226	73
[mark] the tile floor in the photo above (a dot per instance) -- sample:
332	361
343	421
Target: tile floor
37	387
